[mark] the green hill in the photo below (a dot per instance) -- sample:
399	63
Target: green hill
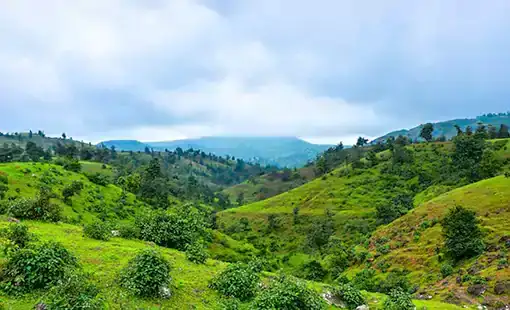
447	128
414	238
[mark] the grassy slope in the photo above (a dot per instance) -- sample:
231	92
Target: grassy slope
105	259
87	205
489	198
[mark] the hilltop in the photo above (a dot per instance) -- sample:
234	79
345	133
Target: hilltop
279	151
447	129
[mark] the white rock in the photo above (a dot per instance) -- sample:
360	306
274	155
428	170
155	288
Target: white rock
362	307
115	233
165	292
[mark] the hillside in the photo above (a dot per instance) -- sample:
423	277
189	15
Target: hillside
280	151
447	128
414	238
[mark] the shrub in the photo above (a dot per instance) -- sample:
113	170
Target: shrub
313	271
17	234
351	296
446	270
237	280
197	253
396	279
70	190
463	238
129	231
39	208
364	280
147	274
74	292
72	165
99	178
98	230
36	267
230	304
290	294
399	300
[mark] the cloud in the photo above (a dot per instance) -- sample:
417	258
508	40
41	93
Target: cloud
182	68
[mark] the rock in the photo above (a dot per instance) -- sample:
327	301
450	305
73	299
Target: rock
12	220
165	292
331	299
40	306
477	290
502	287
475	269
115	233
362	307
505	240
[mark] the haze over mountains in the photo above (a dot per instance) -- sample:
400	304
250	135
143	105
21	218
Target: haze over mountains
279	151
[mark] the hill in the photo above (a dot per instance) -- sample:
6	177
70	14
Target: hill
447	128
280	151
412	242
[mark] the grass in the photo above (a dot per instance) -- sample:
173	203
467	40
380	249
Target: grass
93	167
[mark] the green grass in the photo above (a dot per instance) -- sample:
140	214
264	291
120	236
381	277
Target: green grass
25	180
93	167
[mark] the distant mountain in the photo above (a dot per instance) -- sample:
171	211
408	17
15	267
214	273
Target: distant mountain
447	128
279	151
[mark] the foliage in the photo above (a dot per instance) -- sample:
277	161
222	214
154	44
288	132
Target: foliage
98	230
321	231
196	252
129	231
237	280
98	178
70	190
351	296
36	266
399	300
426	132
463	238
146	274
288	293
39	208
396	280
74	292
174	230
365	280
18	235
446	270
313	270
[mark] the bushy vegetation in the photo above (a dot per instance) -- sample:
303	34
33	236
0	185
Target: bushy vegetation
98	230
197	252
237	280
399	300
36	266
289	294
76	291
463	238
70	190
38	208
351	296
147	275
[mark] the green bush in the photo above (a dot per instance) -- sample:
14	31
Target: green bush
147	274
313	270
39	208
446	270
237	280
99	178
197	252
36	267
289	294
98	230
351	296
70	190
74	292
365	280
72	165
396	279
129	231
17	234
463	237
399	300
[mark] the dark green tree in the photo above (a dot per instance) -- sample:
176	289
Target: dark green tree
492	132
426	132
463	237
503	132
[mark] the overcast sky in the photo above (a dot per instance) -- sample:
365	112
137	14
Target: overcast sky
326	70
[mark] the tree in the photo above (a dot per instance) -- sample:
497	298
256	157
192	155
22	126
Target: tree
492	132
463	237
426	132
467	155
469	130
240	199
30	134
361	141
33	151
64	136
481	131
459	130
503	132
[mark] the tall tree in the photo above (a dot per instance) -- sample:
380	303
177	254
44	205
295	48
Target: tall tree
503	132
463	238
361	142
492	132
64	136
426	132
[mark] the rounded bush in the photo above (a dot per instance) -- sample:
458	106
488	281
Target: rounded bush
36	267
147	274
446	270
74	292
98	230
237	280
351	296
290	294
197	253
17	234
399	300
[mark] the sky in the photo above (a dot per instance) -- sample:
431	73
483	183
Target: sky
323	70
